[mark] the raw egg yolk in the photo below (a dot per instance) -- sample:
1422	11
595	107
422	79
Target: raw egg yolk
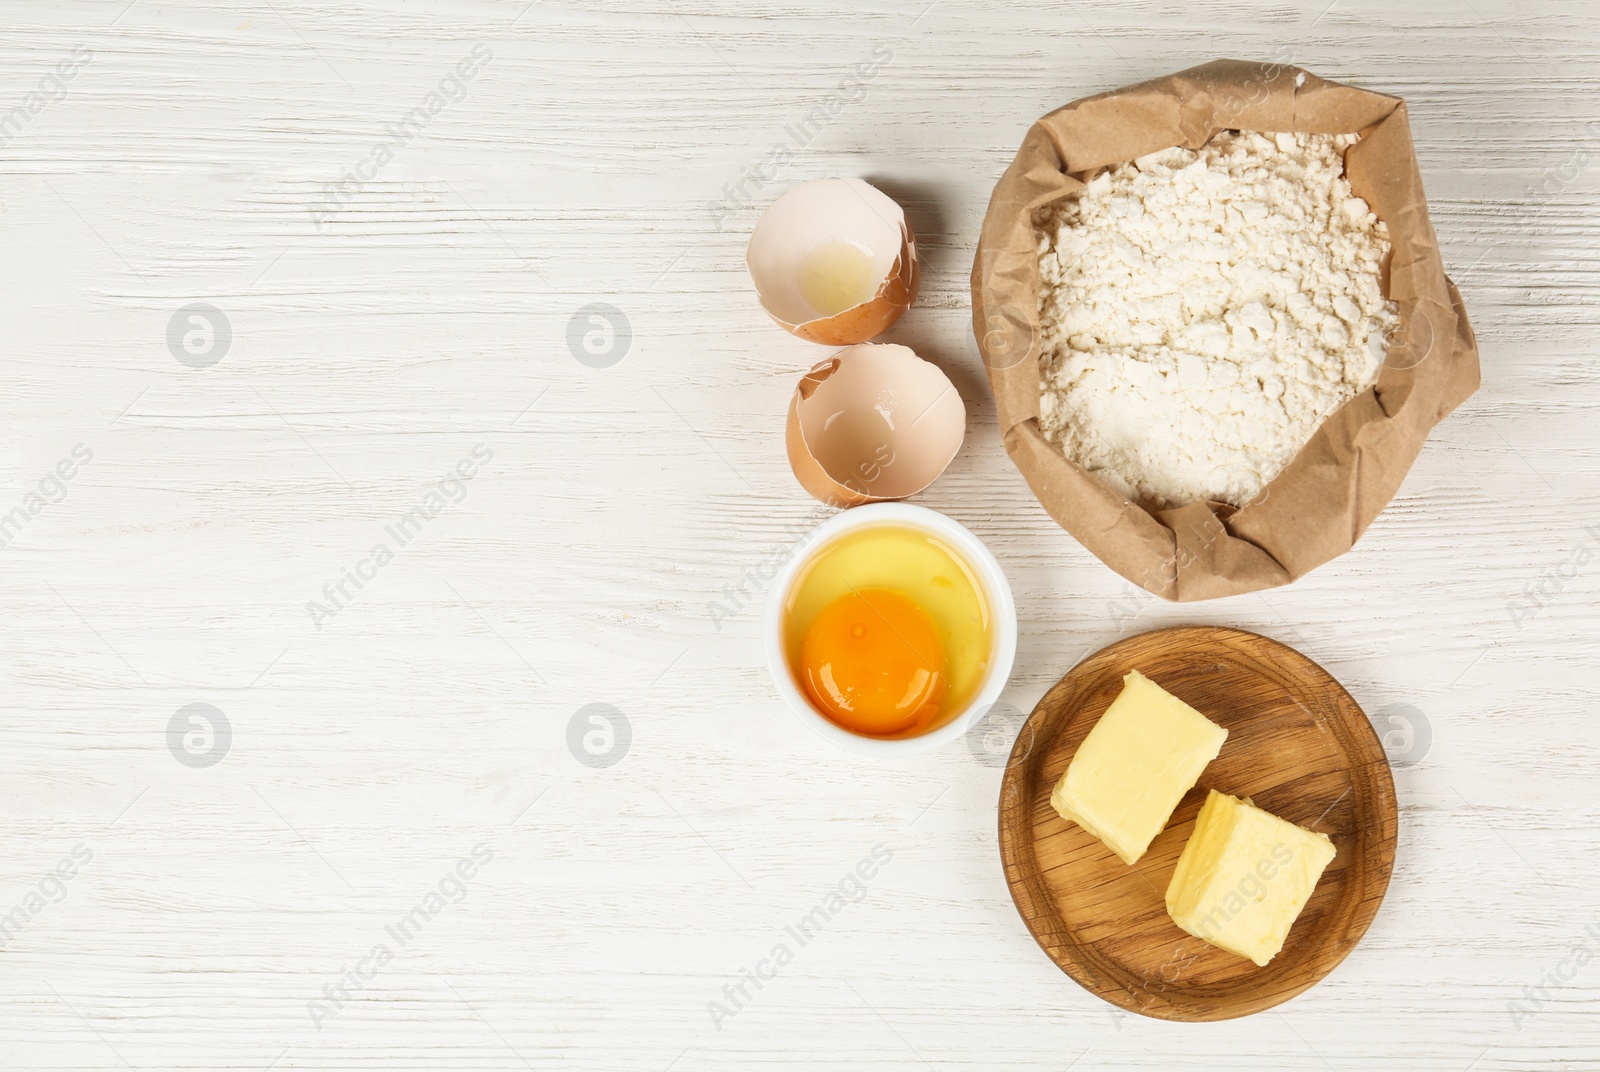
873	663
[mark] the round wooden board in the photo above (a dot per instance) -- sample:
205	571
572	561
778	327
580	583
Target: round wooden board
1297	745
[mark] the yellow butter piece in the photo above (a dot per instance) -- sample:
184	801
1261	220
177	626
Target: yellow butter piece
1244	876
1146	751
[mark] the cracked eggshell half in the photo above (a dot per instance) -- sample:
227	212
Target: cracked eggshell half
834	261
873	422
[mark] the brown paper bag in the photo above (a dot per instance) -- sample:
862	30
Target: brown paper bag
1329	493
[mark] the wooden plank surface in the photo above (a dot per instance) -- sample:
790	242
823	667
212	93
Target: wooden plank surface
609	548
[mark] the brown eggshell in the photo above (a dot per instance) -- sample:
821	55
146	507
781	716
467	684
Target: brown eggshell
874	422
825	210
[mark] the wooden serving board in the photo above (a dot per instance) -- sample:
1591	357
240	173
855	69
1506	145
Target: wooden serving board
1297	745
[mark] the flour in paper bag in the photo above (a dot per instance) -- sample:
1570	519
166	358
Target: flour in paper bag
1204	312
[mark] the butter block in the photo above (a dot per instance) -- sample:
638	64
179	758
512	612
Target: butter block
1146	751
1244	876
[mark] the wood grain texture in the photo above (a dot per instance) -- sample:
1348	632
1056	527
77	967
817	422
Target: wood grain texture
430	314
1298	746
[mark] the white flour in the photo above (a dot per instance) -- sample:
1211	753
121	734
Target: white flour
1203	313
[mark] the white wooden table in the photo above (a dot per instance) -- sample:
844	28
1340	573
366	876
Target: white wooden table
416	318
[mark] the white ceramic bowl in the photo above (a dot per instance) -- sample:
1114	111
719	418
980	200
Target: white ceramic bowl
1003	625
